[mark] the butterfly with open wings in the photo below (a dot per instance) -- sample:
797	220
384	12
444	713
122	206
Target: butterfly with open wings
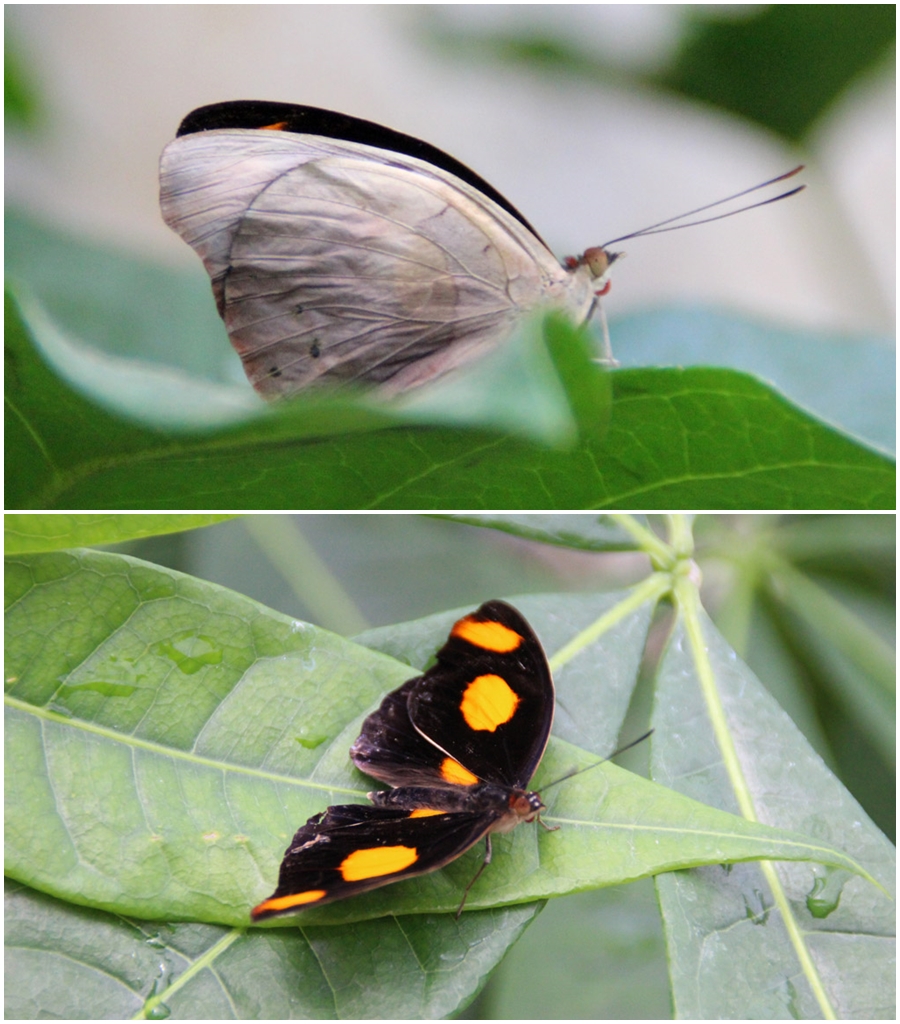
458	745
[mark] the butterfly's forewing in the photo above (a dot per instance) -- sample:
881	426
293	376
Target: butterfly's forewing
336	260
487	704
489	701
353	848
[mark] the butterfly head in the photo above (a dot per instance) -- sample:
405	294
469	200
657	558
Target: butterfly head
523	806
598	262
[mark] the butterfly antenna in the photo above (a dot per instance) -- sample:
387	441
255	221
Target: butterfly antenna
578	771
660	226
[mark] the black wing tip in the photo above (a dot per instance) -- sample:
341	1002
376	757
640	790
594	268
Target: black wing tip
293	117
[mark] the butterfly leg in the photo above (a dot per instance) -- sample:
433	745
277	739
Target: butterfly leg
475	877
606	357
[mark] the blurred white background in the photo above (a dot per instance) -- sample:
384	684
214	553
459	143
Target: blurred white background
584	162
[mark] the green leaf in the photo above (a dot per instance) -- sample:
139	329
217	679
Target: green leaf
699	437
121	304
587	385
30	533
571	530
543	386
105	966
716	917
809	603
599	956
807	54
848	380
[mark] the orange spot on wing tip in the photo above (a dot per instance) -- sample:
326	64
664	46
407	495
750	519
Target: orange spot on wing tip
424	812
297	899
279	126
491	636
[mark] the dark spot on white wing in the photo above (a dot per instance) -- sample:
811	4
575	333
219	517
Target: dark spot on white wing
274	371
314	350
298	308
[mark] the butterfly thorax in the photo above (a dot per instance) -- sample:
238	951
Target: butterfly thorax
507	806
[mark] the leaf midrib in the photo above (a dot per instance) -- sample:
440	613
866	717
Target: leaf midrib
158	748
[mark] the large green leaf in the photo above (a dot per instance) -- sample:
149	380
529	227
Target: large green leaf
105	966
29	533
696	437
848	380
838	930
90	292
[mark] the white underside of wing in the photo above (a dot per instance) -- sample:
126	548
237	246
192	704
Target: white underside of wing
335	261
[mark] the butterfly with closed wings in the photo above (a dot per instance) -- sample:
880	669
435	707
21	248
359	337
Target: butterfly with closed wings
342	252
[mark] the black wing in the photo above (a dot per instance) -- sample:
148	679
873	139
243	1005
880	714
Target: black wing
330	124
489	701
352	848
482	713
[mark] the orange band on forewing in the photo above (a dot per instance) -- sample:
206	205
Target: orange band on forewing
297	899
377	861
488	701
424	812
453	771
492	636
277	127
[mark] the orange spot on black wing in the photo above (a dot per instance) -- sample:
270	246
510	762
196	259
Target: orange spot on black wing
277	903
377	861
488	702
453	771
491	636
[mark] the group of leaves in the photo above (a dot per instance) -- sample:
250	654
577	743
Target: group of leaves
165	737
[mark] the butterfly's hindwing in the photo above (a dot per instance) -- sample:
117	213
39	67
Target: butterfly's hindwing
338	259
390	749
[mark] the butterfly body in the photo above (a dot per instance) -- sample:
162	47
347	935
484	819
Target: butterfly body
343	252
458	745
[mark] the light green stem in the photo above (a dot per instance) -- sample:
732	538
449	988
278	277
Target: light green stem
687	599
200	964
